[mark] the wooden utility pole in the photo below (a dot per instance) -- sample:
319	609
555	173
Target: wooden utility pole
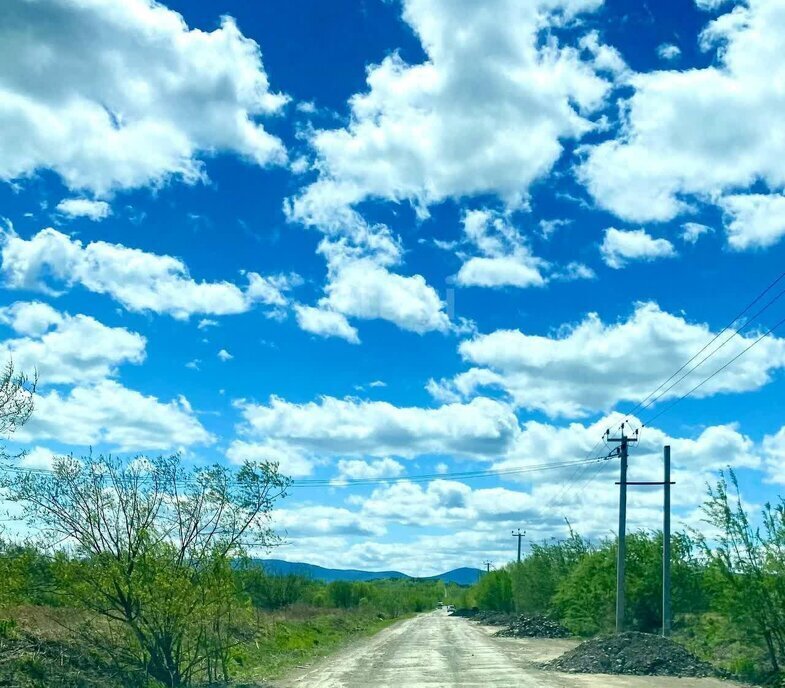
519	535
623	450
666	533
666	544
487	565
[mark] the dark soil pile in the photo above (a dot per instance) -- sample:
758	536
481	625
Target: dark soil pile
495	618
534	627
639	654
468	613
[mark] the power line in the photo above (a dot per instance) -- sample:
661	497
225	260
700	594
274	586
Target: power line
717	336
466	475
716	372
333	482
707	357
643	402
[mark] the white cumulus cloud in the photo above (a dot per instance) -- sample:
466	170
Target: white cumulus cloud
669	51
484	113
505	258
591	366
66	349
355	428
619	247
357	469
116	95
699	133
84	207
325	323
108	414
692	231
140	281
363	289
754	220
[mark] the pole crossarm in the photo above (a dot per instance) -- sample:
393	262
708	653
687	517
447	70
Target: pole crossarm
640	482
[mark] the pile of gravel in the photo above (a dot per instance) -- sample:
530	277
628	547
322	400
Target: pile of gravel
639	654
533	627
494	618
467	613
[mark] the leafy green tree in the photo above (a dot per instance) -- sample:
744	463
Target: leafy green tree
271	592
341	594
536	579
152	544
748	566
494	591
17	394
586	598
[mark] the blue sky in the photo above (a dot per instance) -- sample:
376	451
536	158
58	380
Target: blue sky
384	239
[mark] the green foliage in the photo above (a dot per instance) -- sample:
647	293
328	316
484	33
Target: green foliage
392	597
536	579
461	596
300	635
746	568
586	598
274	592
26	576
153	546
494	591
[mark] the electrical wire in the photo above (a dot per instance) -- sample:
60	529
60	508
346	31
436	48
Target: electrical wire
417	478
465	475
718	335
647	401
707	357
716	372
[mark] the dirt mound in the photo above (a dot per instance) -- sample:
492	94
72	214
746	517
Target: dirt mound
533	627
467	613
639	654
494	618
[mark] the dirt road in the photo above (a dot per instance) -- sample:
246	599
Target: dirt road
439	651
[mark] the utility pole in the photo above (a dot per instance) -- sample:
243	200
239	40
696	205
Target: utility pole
487	565
519	535
623	450
666	531
666	544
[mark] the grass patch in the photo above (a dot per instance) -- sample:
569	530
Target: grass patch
287	639
39	650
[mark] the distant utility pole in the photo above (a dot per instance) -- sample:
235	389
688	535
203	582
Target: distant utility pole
623	450
487	565
519	535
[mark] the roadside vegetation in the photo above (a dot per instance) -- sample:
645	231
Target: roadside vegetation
144	582
728	592
250	628
134	574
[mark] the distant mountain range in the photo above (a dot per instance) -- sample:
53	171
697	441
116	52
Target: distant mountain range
462	576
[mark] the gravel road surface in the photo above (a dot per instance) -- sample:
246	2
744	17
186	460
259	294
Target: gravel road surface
438	651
